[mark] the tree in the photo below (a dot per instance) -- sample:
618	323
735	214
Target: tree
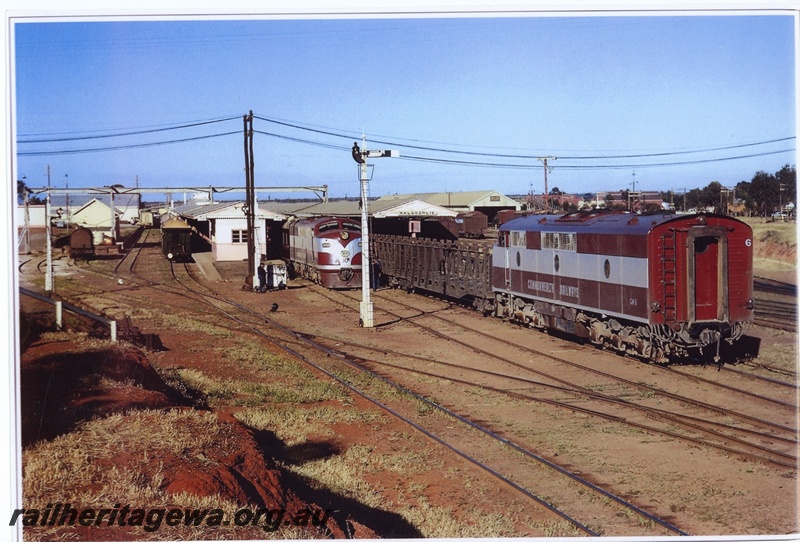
21	188
742	191
712	196
787	185
764	193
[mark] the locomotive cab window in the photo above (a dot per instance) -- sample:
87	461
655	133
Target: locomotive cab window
517	238
334	225
351	226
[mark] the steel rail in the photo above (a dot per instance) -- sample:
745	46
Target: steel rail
372	400
642	408
611	417
647	387
480	428
772	368
650	412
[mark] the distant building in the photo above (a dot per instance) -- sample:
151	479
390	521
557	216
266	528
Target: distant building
489	202
223	226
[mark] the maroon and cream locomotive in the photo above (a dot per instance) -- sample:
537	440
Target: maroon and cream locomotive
658	286
326	250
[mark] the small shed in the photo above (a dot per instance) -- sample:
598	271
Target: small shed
224	226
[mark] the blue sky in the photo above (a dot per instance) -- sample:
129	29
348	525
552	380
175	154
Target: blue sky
614	98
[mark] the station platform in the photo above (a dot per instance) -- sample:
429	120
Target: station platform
206	264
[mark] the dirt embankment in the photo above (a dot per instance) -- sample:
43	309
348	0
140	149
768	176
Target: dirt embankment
771	245
152	446
775	251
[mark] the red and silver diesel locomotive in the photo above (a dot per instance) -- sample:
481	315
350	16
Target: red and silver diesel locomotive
657	286
326	250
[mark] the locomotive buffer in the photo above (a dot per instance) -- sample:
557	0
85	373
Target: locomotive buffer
360	156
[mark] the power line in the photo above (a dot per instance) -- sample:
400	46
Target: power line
525	156
426	159
138	132
123	147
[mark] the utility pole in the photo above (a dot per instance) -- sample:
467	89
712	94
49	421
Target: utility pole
249	206
544	159
66	186
27	231
633	194
360	156
48	274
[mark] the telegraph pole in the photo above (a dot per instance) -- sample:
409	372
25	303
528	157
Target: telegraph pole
48	274
249	209
66	185
544	159
360	156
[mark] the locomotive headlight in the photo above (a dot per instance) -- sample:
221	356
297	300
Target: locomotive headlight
170	256
656	306
750	304
345	235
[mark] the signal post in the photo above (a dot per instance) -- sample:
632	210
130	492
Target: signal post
360	156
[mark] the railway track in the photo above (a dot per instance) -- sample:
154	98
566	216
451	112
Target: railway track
776	304
461	442
293	342
729	439
256	326
349	361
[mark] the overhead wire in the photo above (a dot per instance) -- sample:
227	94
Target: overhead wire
123	147
525	156
418	158
128	133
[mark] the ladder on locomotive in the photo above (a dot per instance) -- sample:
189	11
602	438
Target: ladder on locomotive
669	275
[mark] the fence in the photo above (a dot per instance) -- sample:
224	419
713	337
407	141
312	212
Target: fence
60	306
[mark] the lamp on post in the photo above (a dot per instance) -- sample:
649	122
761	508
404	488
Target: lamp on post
360	156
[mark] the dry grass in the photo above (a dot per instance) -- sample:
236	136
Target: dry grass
294	425
74	469
776	232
